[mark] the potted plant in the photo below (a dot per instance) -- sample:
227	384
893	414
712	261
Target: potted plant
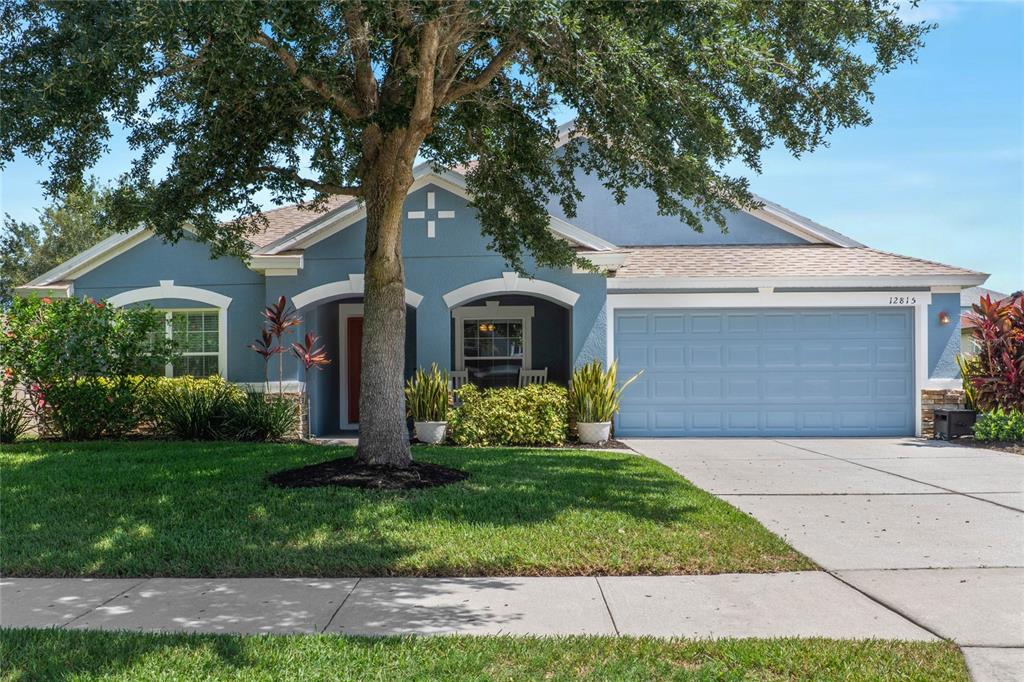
594	399
427	398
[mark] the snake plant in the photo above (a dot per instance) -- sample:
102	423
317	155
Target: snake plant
593	395
427	395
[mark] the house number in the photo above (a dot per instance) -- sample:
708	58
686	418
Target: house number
902	300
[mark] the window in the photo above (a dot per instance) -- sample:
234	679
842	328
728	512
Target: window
492	342
196	334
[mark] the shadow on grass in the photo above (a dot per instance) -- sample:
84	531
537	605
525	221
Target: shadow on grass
203	509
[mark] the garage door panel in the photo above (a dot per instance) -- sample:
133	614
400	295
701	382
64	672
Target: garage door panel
778	372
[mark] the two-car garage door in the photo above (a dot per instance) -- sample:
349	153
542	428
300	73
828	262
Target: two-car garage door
766	372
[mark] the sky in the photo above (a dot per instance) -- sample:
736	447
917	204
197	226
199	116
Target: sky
938	175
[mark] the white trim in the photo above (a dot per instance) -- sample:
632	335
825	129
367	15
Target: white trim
168	332
493	310
353	286
947	289
93	257
853	299
578	235
168	289
604	261
511	283
277	265
805	282
345	311
920	360
943	385
66	290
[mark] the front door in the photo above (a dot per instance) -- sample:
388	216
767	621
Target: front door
353	365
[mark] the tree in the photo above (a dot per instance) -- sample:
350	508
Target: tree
316	98
64	229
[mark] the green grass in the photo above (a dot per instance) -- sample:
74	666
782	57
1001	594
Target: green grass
151	508
78	655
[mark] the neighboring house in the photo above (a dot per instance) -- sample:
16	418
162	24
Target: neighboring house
780	327
968	298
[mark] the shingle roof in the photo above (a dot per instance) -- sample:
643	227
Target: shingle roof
969	297
774	261
285	220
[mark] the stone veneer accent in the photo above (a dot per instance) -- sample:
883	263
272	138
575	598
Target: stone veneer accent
932	399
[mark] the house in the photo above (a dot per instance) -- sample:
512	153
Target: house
968	299
779	327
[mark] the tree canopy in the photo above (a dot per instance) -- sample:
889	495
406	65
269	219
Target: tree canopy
238	97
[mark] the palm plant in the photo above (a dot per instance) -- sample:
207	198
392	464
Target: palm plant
280	318
593	394
309	356
427	396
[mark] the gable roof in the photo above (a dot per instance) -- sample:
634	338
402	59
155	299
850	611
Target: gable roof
969	297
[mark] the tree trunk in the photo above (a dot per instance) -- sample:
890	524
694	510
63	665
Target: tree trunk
383	435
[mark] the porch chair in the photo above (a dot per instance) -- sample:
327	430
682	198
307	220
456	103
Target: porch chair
533	376
459	378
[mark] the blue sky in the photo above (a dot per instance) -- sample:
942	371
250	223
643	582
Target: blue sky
939	174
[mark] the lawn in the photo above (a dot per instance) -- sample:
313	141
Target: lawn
53	654
151	508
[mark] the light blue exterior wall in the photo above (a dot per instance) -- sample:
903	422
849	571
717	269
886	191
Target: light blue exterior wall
943	339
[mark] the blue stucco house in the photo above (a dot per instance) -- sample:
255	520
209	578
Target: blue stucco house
779	327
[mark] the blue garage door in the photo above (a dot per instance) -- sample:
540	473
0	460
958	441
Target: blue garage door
766	372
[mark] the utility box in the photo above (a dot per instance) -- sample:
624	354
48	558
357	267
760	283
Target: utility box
950	424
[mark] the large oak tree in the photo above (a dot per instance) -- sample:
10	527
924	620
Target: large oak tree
220	100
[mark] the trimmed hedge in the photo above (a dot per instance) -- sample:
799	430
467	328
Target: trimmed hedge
1000	425
532	415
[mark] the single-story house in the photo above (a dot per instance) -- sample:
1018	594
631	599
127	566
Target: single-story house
778	327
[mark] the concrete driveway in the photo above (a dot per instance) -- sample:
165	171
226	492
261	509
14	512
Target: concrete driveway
931	530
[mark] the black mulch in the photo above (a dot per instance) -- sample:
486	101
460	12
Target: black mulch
350	473
1015	447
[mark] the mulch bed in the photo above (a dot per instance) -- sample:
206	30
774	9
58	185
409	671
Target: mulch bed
1014	447
350	473
610	444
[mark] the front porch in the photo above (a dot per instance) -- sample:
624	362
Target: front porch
492	338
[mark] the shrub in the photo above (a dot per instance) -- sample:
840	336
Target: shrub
190	408
970	367
427	395
533	415
258	416
998	332
1000	425
13	412
83	364
593	396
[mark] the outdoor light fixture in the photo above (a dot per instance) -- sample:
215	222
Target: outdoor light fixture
943	317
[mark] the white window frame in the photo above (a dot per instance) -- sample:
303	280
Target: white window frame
219	353
494	311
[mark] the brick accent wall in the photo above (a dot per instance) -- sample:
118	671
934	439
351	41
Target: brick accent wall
937	399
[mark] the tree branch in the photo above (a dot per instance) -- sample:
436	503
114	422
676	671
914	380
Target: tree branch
340	102
359	44
482	79
322	187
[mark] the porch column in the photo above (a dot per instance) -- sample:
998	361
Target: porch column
433	333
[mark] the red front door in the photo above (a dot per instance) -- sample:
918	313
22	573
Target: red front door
353	365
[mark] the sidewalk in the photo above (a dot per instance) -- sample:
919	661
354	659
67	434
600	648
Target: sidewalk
806	604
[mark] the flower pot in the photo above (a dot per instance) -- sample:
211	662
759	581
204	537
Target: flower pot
430	432
593	432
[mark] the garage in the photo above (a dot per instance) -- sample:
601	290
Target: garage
766	372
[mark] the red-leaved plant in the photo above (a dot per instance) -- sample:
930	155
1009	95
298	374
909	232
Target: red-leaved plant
998	332
280	318
309	356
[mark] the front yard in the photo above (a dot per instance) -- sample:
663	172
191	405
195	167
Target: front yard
186	509
50	654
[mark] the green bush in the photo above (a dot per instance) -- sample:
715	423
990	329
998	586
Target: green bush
533	415
13	412
1000	425
258	416
190	408
83	364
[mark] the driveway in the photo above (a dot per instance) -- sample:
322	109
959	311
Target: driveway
931	530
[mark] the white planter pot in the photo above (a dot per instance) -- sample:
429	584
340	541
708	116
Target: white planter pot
430	432
593	432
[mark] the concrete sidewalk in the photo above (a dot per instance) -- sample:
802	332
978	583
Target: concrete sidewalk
805	604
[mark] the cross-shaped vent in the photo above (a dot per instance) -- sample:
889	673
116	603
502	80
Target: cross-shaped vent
431	221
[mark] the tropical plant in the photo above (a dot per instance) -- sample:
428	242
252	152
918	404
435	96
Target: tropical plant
593	394
1000	425
969	366
257	416
14	419
309	355
427	395
192	408
532	415
266	347
279	319
82	364
998	333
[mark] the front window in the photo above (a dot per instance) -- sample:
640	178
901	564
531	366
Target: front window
493	351
196	335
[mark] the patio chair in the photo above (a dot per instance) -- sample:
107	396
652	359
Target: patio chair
459	378
533	376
